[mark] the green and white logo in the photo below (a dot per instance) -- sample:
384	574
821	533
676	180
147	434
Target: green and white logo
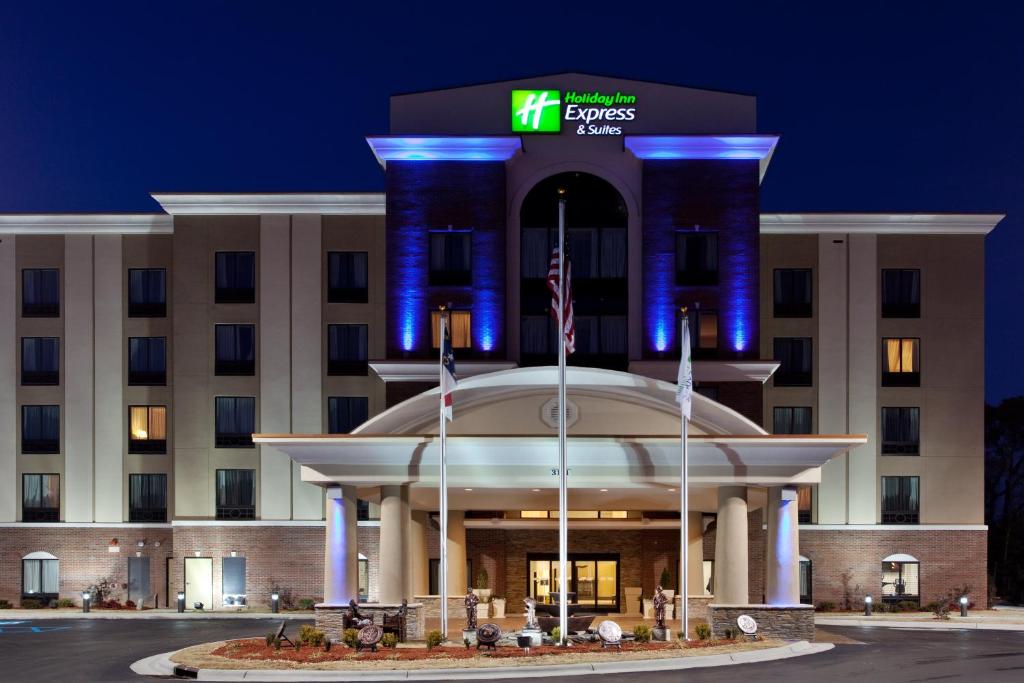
536	111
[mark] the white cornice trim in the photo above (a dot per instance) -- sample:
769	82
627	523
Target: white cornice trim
880	223
246	523
426	371
83	525
86	224
893	527
333	203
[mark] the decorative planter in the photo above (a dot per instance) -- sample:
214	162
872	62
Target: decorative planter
499	608
483	593
481	611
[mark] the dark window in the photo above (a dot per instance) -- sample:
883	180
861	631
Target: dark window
40	293
347	277
40	360
703	326
451	257
346	349
147	293
805	583
236	494
147	361
794	354
901	429
236	421
792	292
696	258
40	497
901	293
236	350
147	429
901	362
236	277
147	497
345	413
791	420
40	579
40	429
901	500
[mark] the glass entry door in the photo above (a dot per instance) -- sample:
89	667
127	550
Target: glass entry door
593	580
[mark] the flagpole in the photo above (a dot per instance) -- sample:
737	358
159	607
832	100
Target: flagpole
443	492
684	507
563	523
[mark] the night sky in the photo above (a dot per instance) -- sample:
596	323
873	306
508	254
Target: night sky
880	108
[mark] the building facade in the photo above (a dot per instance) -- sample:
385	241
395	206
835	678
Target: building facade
839	360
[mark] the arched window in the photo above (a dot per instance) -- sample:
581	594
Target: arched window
901	578
40	573
806	598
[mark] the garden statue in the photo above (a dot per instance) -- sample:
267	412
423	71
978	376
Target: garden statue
659	607
531	613
471	602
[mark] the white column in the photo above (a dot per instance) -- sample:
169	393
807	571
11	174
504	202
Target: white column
77	378
782	557
8	382
831	377
418	566
341	556
109	387
865	346
731	557
394	519
458	582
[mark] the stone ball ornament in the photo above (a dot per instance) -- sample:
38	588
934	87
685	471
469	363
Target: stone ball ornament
747	624
370	635
488	634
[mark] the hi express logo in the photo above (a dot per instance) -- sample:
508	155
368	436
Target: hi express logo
541	111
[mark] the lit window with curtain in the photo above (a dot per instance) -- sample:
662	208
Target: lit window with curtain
347	277
147	361
460	325
696	258
901	500
791	420
901	430
451	257
40	293
40	361
147	429
901	293
347	349
236	494
703	324
40	577
792	292
794	357
147	497
901	362
345	413
40	497
804	504
147	293
235	277
40	429
235	421
235	350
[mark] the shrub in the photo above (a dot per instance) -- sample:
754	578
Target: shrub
270	639
284	595
64	603
941	609
434	638
390	641
277	644
703	631
306	603
130	604
642	633
728	633
311	635
31	603
103	590
465	641
327	644
826	606
5	604
556	635
350	637
666	577
298	645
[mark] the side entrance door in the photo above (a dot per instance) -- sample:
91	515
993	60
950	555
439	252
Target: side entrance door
138	580
199	582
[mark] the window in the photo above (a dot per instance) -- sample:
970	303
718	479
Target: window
806	597
40	361
345	413
346	349
347	277
901	500
901	579
40	429
696	258
235	277
460	324
147	361
901	431
40	497
794	354
147	497
804	504
791	420
147	431
233	581
901	293
40	293
236	421
147	293
703	325
235	350
901	362
236	494
451	257
40	576
792	293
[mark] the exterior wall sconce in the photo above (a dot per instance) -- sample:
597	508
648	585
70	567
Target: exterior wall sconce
867	606
963	605
181	601
86	601
275	601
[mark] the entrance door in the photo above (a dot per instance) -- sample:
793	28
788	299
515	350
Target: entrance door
138	580
593	580
199	581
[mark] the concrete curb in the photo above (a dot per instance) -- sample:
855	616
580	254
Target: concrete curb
44	614
951	625
161	665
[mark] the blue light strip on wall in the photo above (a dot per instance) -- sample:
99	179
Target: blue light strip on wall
701	146
443	148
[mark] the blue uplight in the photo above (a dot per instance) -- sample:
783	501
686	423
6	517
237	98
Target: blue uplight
701	146
444	148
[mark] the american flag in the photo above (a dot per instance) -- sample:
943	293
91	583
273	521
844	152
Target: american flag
569	325
448	380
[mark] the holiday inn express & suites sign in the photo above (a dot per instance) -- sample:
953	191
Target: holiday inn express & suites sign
588	113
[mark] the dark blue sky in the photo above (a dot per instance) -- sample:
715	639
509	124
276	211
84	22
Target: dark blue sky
883	106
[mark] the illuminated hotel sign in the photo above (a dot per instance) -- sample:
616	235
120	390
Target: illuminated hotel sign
588	113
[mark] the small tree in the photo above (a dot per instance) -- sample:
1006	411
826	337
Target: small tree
482	579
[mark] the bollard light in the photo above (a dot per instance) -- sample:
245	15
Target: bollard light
275	601
867	605
86	601
963	606
181	601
